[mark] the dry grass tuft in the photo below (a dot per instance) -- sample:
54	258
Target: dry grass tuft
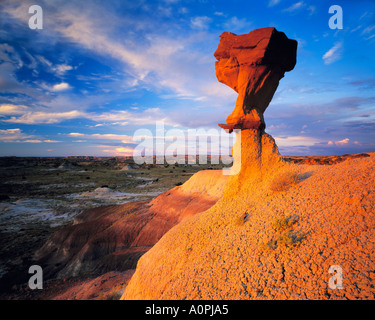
284	236
284	181
290	239
284	223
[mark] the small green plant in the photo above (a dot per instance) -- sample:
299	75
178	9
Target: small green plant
284	181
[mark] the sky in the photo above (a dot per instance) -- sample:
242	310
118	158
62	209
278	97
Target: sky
99	71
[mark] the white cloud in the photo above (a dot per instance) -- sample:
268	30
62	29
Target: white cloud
200	22
237	25
368	29
344	141
26	115
108	136
9	65
39	117
9	54
13	135
311	9
356	28
293	141
62	68
58	69
61	86
39	141
333	54
341	142
33	141
122	151
17	136
295	7
76	134
273	3
123	117
160	60
11	109
44	61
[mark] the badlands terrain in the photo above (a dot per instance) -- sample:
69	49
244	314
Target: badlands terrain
39	196
269	227
110	282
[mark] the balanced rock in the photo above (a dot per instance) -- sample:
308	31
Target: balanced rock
252	64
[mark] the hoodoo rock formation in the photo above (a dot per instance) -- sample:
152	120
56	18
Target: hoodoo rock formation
278	226
252	64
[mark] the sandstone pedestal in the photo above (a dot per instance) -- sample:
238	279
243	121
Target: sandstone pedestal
255	157
252	64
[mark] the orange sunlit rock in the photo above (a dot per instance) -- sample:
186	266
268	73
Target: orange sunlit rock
252	64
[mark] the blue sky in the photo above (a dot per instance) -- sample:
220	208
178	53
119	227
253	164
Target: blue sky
100	70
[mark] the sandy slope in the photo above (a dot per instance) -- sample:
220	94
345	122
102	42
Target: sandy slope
225	252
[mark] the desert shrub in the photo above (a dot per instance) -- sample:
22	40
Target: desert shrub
290	239
284	223
284	236
284	181
268	245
